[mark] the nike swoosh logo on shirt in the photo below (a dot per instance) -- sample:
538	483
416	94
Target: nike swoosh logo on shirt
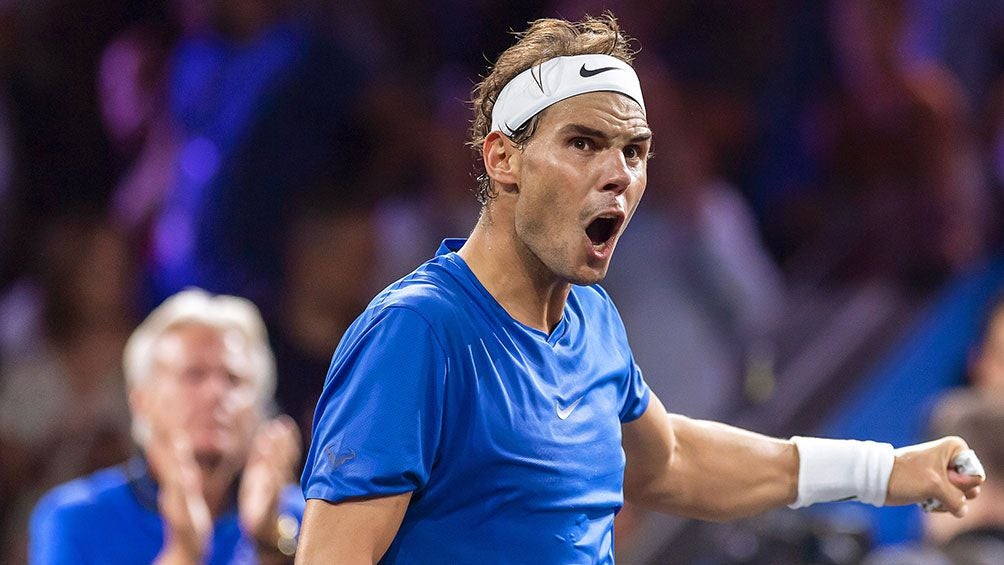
564	413
586	73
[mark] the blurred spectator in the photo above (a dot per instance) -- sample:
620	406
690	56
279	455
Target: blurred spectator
903	196
62	411
978	537
429	37
992	133
347	241
986	371
353	232
331	259
131	86
261	105
966	36
214	481
65	162
410	224
979	419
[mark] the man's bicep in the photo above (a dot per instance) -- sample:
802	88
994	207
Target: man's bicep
352	531
648	449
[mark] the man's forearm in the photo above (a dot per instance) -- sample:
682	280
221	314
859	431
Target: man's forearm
719	472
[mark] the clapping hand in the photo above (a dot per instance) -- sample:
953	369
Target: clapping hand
271	466
188	522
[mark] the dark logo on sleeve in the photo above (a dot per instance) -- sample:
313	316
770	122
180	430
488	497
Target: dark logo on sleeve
338	458
586	73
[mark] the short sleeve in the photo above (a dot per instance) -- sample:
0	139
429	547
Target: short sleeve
634	395
378	421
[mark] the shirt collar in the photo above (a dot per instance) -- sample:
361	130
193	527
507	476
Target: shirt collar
451	245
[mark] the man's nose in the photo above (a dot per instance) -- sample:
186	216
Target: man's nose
616	171
216	387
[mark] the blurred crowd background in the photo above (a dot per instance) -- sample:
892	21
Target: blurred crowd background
819	249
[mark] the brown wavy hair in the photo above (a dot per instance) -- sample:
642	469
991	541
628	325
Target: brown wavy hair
545	39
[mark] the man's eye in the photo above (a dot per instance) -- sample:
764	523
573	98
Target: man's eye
632	152
581	143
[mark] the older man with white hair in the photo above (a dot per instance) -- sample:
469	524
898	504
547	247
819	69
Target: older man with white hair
214	481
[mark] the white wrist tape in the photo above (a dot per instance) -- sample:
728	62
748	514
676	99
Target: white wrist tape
835	469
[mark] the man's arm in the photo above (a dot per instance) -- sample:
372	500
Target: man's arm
390	370
352	532
703	469
716	472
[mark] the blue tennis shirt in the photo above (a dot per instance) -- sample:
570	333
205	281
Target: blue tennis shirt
111	517
508	438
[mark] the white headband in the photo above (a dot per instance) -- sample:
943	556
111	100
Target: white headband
557	79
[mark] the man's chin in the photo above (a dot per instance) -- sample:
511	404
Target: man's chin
586	281
212	451
209	458
589	275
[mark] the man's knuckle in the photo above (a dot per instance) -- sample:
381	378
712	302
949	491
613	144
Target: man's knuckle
956	441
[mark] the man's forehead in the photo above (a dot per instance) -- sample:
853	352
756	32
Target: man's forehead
601	110
185	341
191	333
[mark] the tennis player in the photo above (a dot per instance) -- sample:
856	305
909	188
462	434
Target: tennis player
486	408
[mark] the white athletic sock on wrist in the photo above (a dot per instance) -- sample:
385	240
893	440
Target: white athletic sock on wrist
837	469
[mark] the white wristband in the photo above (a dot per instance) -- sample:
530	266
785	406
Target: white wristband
838	469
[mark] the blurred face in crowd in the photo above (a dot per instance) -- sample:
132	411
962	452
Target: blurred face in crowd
203	389
579	180
126	100
988	370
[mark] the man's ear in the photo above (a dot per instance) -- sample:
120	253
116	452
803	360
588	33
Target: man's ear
501	159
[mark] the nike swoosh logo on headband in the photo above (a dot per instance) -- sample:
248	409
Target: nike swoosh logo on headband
586	73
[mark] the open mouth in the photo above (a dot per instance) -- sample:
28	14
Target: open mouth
602	229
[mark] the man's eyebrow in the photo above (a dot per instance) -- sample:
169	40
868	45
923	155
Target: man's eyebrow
587	131
584	130
647	135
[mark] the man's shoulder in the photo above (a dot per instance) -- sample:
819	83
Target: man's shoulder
81	498
95	519
432	290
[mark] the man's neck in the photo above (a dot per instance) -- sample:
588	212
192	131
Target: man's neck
514	276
